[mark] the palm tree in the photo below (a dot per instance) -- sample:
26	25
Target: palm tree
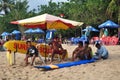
6	6
112	10
20	12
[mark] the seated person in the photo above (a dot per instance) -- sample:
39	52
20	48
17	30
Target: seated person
56	48
102	52
87	51
78	52
31	52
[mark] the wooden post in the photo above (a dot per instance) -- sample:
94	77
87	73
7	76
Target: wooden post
14	57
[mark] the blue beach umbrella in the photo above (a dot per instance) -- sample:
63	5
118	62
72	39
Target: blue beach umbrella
91	29
29	31
109	24
16	32
5	34
38	30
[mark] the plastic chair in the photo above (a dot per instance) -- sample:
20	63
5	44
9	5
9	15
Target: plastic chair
114	40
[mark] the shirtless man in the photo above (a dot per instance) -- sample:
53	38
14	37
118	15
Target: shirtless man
78	52
57	49
87	51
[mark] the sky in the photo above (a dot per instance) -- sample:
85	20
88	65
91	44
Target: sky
34	3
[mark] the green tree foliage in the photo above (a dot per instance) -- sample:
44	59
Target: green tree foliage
112	10
91	12
17	12
6	5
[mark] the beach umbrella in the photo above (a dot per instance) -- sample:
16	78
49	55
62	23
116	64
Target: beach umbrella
47	21
109	24
29	31
38	30
5	34
91	29
16	32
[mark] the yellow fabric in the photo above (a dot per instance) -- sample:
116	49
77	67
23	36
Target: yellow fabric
57	25
53	66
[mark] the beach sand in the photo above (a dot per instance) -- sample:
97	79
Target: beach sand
101	70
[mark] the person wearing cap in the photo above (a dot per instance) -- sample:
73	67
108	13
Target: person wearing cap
102	52
31	52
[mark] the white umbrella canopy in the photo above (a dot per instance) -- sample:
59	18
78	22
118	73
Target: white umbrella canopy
47	21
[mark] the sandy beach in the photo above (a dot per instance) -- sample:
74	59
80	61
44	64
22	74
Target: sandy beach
101	70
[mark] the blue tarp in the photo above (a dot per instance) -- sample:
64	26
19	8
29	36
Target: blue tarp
50	34
76	40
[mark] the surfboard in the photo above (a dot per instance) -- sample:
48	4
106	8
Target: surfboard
63	65
16	45
21	47
9	58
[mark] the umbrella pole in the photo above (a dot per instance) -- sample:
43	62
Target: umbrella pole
15	54
45	45
81	31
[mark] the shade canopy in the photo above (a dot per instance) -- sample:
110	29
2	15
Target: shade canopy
16	32
38	30
109	24
91	29
29	31
5	34
47	21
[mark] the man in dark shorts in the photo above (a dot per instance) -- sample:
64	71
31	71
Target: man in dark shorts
31	52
